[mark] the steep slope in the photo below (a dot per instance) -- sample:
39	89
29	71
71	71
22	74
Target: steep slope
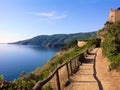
111	43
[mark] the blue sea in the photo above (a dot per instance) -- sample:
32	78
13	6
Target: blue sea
17	58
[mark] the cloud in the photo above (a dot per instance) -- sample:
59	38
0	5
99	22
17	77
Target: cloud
45	14
50	15
60	16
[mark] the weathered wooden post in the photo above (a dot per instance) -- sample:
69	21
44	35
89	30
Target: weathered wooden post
58	80
68	71
75	62
78	62
68	76
71	67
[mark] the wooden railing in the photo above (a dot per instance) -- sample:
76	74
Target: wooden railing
72	66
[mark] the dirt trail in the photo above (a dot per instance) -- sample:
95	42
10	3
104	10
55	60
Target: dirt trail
110	80
93	75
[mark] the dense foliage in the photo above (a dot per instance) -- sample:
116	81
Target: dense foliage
56	40
69	45
1	77
111	44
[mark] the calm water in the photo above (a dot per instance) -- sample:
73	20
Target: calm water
17	58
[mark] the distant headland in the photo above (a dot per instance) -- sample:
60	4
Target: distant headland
56	40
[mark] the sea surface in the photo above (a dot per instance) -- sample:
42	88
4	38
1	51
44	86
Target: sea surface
17	58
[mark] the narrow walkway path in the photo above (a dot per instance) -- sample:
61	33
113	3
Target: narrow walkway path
85	78
93	75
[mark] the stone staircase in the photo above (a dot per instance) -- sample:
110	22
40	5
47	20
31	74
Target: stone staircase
84	78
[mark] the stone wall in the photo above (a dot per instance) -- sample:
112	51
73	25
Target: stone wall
117	15
114	15
111	17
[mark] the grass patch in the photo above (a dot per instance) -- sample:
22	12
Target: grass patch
111	44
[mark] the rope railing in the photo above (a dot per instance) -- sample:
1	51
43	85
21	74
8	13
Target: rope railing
72	66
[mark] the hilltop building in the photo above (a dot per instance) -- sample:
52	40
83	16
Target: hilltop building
114	15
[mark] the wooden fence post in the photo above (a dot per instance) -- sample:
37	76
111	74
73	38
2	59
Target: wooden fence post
58	80
68	71
75	62
68	76
71	67
78	61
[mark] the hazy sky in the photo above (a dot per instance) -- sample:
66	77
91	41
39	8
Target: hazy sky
23	19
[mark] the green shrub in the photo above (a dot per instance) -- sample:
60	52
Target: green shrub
47	87
111	44
1	77
70	44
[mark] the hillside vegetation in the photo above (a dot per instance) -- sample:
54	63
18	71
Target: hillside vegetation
27	81
111	43
56	40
